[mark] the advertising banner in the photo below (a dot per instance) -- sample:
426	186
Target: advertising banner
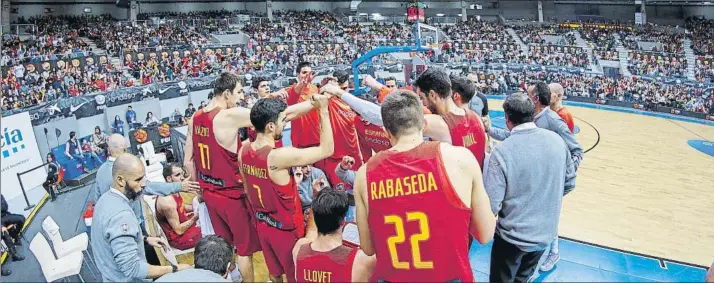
19	153
94	104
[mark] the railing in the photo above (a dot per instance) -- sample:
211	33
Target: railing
39	58
19	29
443	20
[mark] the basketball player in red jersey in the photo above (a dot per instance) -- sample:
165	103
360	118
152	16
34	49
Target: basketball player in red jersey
455	125
417	201
322	255
271	190
556	104
343	129
211	157
303	131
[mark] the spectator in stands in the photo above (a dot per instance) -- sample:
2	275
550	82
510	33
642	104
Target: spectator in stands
12	225
150	120
213	261
73	150
203	104
174	215
118	125
99	140
53	170
130	117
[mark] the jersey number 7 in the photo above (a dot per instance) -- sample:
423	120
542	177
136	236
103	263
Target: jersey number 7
205	156
413	239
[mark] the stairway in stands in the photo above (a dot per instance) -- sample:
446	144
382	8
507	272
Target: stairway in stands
622	53
115	61
691	59
518	40
581	43
96	50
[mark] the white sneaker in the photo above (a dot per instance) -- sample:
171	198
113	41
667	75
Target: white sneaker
550	262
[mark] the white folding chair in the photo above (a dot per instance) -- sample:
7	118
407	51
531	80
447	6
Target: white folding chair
150	154
78	243
52	268
169	252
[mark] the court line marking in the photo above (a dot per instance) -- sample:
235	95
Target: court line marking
636	253
689	130
596	132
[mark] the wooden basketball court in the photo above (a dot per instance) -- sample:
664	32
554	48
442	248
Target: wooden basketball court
641	188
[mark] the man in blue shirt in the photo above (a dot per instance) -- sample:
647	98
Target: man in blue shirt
116	237
130	117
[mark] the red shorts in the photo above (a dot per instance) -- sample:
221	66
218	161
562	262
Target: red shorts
278	250
231	219
187	240
329	165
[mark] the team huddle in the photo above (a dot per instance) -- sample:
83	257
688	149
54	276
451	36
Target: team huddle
412	165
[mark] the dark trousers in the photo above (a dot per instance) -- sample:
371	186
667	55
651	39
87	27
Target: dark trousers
10	243
18	220
510	264
51	180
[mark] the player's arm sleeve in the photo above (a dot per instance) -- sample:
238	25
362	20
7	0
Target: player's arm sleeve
569	173
495	182
368	110
347	176
122	232
484	112
576	151
498	133
161	188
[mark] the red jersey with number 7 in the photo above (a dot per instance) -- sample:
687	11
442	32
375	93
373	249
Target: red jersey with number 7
279	204
217	169
418	224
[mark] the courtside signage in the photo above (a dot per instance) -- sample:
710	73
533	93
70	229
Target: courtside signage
19	153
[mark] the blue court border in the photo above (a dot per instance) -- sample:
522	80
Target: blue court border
626	110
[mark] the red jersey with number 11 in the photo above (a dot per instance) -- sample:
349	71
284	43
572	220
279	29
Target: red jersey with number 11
216	168
418	224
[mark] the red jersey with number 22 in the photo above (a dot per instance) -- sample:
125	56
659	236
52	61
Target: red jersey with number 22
418	224
217	168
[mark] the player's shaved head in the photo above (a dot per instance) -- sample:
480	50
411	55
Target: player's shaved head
116	144
556	88
556	94
402	113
